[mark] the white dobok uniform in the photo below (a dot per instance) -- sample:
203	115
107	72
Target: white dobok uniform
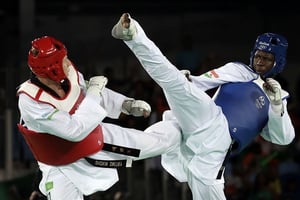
205	129
72	181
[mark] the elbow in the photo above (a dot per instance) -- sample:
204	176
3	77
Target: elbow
77	135
291	135
285	138
288	138
78	139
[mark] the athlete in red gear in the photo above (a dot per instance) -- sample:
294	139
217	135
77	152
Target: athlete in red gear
61	120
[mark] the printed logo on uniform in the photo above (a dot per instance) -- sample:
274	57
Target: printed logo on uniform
49	185
260	102
211	74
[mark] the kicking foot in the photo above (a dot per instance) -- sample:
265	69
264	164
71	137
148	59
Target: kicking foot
124	30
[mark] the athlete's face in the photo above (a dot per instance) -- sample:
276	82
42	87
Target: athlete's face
263	62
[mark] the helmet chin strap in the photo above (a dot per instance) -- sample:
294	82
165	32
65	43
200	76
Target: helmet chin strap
265	75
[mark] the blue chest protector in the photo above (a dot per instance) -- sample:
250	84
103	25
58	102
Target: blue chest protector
245	106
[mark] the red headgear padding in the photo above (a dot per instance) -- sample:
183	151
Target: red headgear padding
45	58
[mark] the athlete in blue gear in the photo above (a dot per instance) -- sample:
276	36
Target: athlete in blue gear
256	91
247	103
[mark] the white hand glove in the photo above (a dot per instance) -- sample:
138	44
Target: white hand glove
273	89
124	29
96	85
136	108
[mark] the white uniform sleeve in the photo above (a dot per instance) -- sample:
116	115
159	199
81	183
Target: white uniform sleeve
112	102
279	129
44	118
230	72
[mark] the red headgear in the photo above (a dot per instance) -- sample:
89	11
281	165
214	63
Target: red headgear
45	58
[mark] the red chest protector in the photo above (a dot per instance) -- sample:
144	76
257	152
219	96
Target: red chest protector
53	150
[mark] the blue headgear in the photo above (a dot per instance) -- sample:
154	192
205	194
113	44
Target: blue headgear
275	44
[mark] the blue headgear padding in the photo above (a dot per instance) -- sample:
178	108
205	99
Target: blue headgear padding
275	44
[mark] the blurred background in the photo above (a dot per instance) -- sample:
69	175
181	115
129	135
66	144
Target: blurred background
194	35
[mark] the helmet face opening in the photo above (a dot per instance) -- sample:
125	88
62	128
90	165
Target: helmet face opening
45	58
275	44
